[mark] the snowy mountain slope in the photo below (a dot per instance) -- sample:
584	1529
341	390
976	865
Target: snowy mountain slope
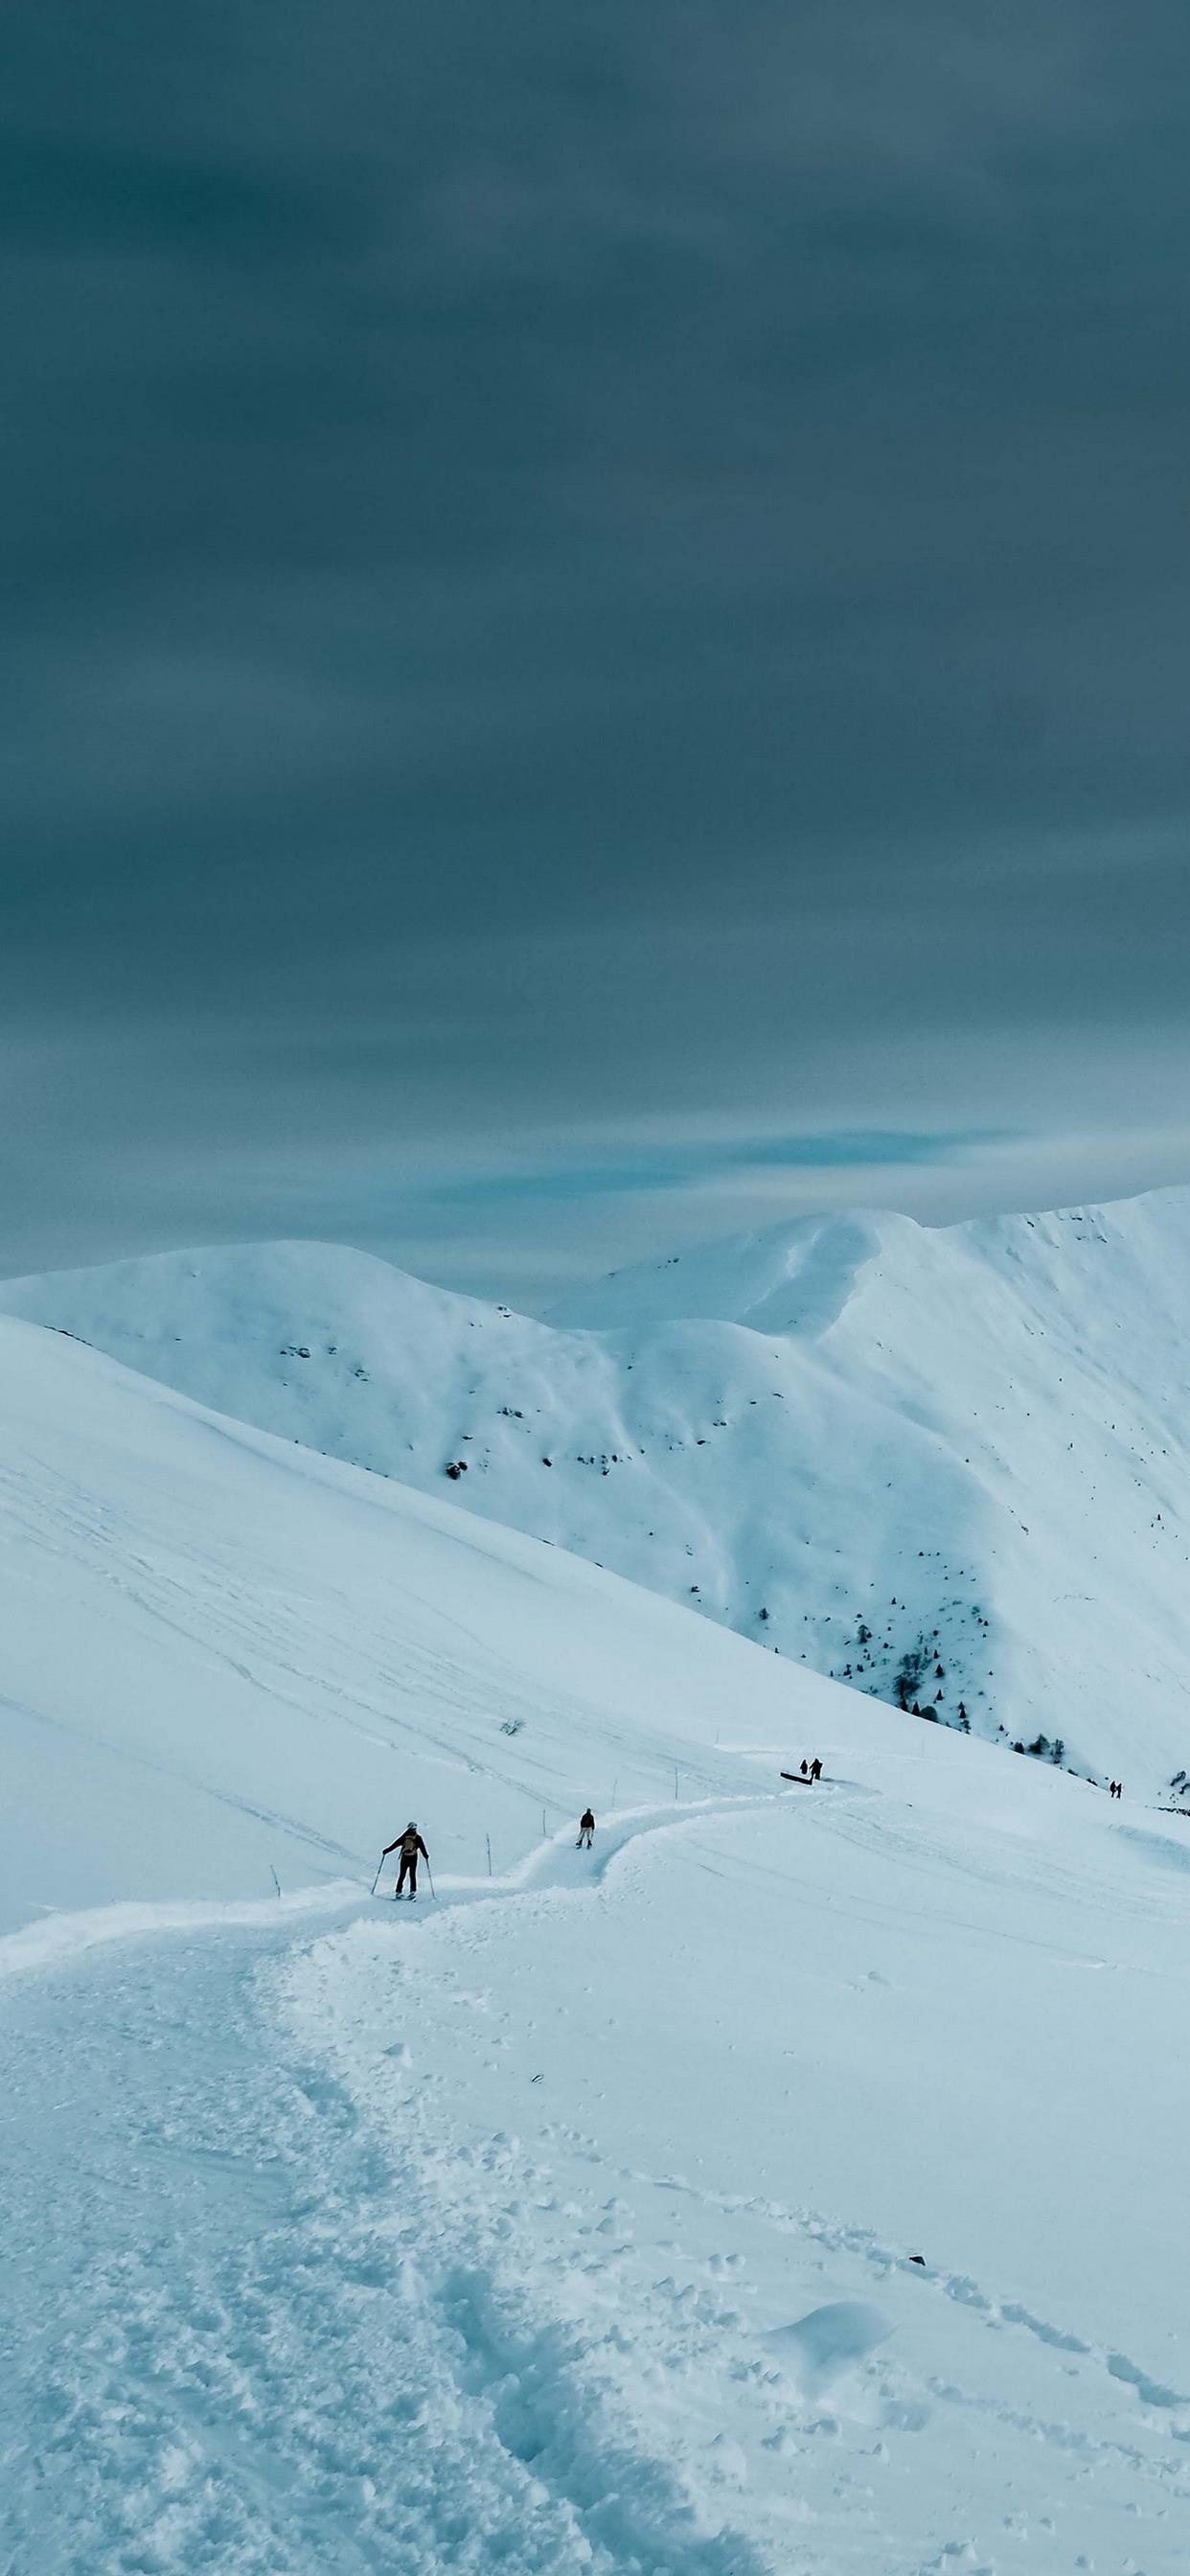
879	1448
225	1657
760	2195
789	2187
764	2195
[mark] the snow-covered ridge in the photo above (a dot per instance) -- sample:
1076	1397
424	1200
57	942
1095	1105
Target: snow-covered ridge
949	1465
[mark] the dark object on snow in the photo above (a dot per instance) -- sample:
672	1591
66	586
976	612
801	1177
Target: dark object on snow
798	1781
410	1846
1043	1751
918	2258
456	1467
586	1829
816	1769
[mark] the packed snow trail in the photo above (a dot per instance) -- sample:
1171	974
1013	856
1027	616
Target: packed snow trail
223	2351
538	2231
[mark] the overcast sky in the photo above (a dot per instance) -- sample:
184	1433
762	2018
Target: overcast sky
595	619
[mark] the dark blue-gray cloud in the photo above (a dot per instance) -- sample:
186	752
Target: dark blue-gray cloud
573	579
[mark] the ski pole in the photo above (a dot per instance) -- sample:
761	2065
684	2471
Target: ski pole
430	1876
376	1880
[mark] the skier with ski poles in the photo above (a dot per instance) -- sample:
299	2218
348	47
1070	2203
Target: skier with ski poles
586	1830
410	1846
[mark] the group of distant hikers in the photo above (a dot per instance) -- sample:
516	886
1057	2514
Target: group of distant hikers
412	1849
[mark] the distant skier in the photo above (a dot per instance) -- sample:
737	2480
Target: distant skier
411	1847
816	1769
586	1830
805	1768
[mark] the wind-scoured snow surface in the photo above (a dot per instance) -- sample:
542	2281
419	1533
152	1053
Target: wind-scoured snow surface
950	1466
567	2224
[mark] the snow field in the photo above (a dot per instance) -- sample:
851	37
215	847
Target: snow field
571	2226
693	2127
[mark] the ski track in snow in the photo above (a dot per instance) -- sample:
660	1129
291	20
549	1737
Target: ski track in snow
283	2309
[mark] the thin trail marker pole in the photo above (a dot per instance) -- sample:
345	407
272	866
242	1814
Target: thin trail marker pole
675	1779
376	1880
488	1841
615	1786
544	1835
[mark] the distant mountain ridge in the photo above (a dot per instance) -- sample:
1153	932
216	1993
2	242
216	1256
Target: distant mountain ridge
950	1466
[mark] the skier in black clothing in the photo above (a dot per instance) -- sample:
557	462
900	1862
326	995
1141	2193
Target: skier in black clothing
410	1846
586	1830
816	1769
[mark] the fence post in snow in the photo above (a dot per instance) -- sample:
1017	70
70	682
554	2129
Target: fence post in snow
488	1841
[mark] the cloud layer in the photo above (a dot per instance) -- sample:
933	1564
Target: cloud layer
579	581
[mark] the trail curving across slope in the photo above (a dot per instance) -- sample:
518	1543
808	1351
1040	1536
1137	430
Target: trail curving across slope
495	2234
